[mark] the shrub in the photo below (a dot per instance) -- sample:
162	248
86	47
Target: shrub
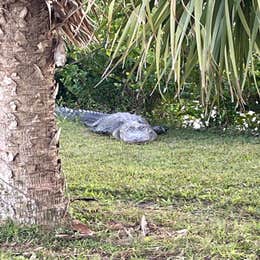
188	113
81	85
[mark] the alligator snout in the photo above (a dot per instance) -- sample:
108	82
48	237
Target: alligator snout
135	133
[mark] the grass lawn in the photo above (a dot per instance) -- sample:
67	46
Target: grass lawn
199	193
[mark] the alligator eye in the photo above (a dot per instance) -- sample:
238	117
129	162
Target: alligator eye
142	127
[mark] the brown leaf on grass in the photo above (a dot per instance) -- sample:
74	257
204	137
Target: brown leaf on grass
113	225
81	228
81	231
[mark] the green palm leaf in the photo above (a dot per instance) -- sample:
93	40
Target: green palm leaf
219	36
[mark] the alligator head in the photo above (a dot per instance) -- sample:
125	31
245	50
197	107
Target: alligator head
135	132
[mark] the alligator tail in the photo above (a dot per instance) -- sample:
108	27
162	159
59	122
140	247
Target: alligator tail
86	116
90	117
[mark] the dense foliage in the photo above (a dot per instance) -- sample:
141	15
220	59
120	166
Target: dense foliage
174	38
134	86
81	84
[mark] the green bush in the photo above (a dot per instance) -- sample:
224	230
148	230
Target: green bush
81	85
187	113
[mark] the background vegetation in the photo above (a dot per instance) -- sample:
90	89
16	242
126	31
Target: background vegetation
134	86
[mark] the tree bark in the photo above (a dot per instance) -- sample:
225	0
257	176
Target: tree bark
31	183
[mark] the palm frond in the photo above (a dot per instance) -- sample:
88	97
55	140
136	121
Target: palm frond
70	18
221	37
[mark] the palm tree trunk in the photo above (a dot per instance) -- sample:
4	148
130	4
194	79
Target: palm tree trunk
31	183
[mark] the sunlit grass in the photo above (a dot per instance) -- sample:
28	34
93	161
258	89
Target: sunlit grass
199	192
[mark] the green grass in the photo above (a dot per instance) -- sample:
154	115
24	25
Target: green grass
199	192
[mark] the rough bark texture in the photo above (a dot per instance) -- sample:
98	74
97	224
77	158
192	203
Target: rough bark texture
31	183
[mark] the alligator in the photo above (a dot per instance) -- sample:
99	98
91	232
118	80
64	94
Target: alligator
128	127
